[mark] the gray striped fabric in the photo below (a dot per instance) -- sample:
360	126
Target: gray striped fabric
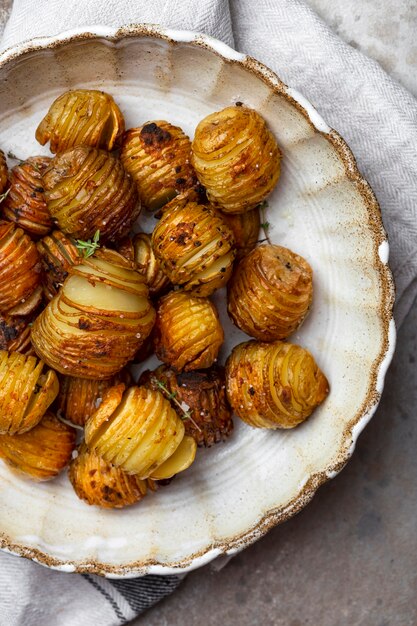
376	116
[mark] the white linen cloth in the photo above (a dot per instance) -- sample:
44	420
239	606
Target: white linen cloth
376	116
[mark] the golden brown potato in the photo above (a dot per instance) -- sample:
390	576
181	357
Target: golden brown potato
101	484
82	117
25	392
137	430
201	396
148	265
245	228
236	158
41	453
98	320
3	173
15	334
194	246
270	292
274	385
188	333
157	155
79	398
58	253
20	268
25	203
88	190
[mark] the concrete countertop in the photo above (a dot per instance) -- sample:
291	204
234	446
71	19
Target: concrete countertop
350	557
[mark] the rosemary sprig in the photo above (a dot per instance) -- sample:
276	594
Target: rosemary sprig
4	195
172	397
87	248
264	224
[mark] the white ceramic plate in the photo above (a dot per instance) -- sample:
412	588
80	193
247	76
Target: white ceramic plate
321	208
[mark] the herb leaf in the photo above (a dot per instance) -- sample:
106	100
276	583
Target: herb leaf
4	195
262	206
172	396
87	248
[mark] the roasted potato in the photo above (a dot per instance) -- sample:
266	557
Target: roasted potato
274	385
58	253
79	398
88	190
3	173
236	158
41	453
245	228
82	117
194	246
25	203
98	321
25	392
20	268
148	265
188	333
270	292
137	430
201	396
15	334
101	484
157	155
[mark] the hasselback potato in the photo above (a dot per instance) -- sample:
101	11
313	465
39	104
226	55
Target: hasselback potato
245	228
274	385
148	265
25	203
42	452
98	320
201	396
188	333
79	398
82	117
158	155
101	484
25	392
88	190
236	158
137	430
58	253
20	268
270	292
3	173
194	245
15	334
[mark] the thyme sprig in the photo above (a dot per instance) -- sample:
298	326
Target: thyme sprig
172	397
264	224
88	248
4	195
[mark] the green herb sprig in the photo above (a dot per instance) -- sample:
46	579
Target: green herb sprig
4	195
172	397
88	248
264	224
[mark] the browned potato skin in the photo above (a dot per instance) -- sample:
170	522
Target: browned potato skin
188	333
204	393
270	292
100	484
82	117
26	392
148	265
158	155
185	229
43	452
274	385
109	200
20	268
236	158
3	173
79	398
25	203
15	333
245	228
58	254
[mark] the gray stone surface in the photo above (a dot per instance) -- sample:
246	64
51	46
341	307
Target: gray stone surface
350	558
